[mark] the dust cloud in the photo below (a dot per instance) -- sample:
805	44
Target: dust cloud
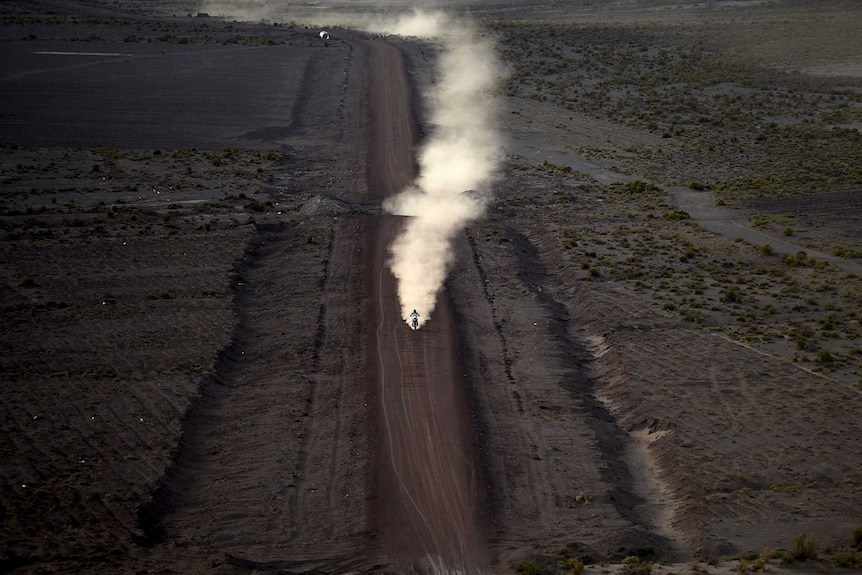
457	164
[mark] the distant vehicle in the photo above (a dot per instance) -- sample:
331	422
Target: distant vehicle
324	35
414	322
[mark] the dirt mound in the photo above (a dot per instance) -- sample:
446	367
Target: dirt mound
321	205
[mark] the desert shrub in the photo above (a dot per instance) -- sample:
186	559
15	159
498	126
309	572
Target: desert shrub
767	250
672	215
801	259
633	565
526	568
748	555
804	549
848	560
576	565
768	554
693	316
843	252
731	295
640	187
856	537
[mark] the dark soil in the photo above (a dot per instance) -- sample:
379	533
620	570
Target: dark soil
199	326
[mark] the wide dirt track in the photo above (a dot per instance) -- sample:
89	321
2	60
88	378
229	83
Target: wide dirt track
430	484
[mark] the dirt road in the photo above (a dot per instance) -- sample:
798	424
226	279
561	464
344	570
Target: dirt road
429	481
731	223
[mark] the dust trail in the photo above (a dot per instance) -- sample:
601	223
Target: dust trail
456	165
458	162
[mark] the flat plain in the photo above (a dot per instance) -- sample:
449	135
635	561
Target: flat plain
657	319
